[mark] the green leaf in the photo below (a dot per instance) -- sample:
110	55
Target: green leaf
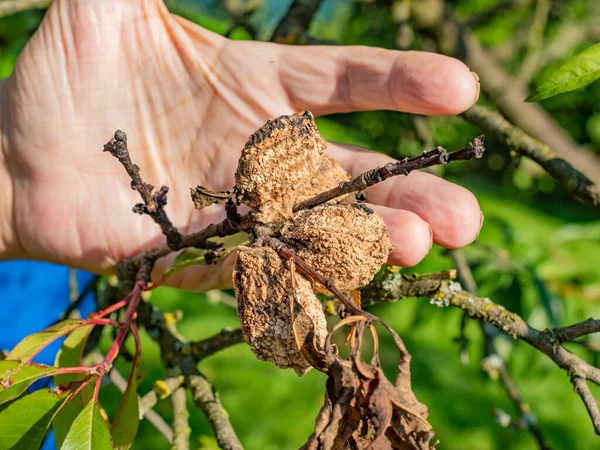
126	421
15	378
195	256
581	70
24	422
188	257
89	431
32	344
66	416
71	353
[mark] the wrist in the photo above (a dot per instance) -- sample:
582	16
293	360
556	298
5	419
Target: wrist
8	240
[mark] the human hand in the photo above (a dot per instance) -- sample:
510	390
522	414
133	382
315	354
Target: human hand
188	100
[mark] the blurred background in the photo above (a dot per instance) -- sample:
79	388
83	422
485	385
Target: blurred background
538	252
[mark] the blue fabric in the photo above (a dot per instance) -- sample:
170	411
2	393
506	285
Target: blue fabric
33	295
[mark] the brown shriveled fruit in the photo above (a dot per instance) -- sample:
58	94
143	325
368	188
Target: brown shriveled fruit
347	244
267	301
277	163
329	175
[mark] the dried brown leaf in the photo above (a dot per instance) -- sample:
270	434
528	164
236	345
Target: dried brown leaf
203	197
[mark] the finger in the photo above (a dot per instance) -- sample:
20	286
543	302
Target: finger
410	235
340	79
451	210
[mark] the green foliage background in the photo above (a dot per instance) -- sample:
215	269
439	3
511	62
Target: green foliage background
537	255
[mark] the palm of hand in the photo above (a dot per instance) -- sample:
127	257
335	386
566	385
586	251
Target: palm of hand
187	98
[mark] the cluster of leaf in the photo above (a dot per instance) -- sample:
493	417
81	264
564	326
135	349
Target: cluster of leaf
69	407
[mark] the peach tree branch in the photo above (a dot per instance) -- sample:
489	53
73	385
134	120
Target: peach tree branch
447	292
181	425
369	178
206	398
572	180
494	364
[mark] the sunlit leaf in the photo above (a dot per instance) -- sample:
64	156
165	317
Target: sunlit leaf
70	354
33	343
581	70
126	421
15	378
188	257
66	416
89	431
195	256
25	421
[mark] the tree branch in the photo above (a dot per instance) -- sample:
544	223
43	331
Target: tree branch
528	420
181	426
475	149
235	223
179	360
450	293
226	338
573	332
566	175
207	400
147	402
508	94
154	203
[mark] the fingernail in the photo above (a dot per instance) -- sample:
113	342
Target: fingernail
478	86
480	224
430	237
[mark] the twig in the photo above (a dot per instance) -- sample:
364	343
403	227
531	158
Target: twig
294	25
226	338
207	400
147	402
235	223
475	149
8	7
583	390
572	332
394	285
566	175
154	203
181	426
127	269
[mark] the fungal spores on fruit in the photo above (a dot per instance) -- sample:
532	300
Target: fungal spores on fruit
277	310
276	164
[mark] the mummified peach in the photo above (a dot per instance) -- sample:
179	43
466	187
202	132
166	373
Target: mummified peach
281	318
347	244
329	175
276	165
